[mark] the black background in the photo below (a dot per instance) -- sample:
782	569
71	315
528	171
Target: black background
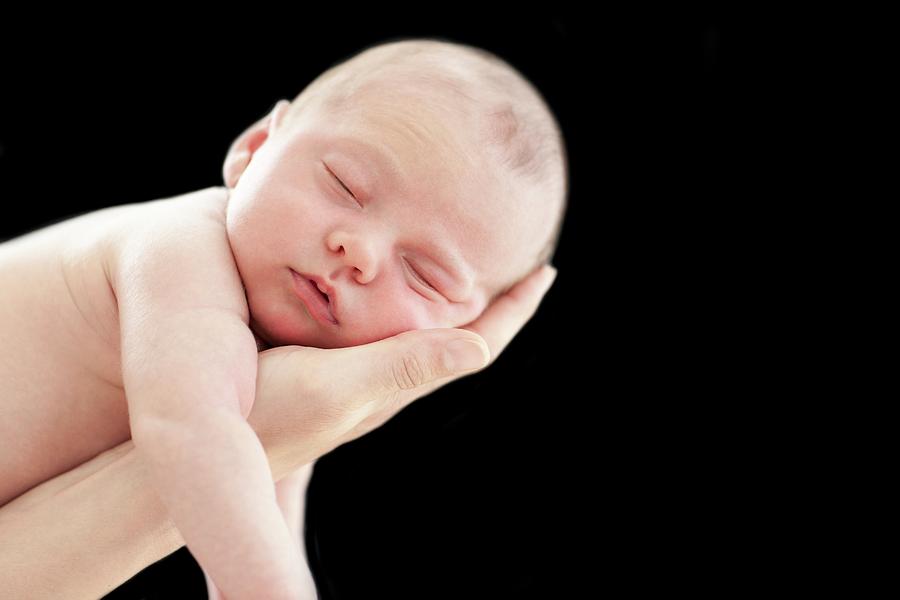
585	453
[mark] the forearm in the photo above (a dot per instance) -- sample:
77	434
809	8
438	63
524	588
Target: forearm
213	476
83	534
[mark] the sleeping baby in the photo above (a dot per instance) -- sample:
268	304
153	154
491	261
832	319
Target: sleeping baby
404	188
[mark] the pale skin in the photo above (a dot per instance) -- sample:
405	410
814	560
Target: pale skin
177	324
108	504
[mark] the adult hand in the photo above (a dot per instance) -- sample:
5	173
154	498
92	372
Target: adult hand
339	394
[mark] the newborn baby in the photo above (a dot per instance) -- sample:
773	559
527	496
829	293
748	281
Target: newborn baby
403	189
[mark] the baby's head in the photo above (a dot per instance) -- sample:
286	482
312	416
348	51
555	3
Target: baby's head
419	180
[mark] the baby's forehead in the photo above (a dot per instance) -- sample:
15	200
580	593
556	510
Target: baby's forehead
418	129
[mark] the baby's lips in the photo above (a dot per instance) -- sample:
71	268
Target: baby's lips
317	301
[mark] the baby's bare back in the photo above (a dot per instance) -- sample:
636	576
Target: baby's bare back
62	399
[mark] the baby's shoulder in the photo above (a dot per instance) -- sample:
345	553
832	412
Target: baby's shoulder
201	207
179	244
174	220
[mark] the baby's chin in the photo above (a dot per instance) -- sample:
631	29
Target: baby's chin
273	333
279	332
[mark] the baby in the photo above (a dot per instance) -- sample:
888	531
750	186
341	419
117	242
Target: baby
404	188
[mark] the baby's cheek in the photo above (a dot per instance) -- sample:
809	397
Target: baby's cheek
399	316
405	316
411	315
436	316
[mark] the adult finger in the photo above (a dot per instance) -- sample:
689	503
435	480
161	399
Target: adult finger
501	321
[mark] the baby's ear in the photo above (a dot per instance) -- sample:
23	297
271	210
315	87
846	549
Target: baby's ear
277	114
234	166
245	145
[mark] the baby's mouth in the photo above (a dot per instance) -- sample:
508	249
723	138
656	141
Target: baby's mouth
324	295
323	306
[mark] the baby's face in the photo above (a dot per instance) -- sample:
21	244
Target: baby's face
394	208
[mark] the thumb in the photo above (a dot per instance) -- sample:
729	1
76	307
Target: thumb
416	358
400	369
464	354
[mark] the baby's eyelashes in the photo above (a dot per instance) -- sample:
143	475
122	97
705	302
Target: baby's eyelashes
341	183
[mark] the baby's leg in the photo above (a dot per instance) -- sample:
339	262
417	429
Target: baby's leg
291	494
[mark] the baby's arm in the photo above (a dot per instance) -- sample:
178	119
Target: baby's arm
291	494
189	368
